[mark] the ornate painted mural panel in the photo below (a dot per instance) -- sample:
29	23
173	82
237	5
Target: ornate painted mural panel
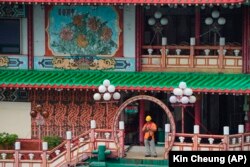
84	63
84	30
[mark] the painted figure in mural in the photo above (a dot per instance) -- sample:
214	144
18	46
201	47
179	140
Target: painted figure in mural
64	63
149	129
102	64
4	61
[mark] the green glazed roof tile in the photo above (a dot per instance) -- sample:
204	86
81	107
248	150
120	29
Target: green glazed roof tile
163	81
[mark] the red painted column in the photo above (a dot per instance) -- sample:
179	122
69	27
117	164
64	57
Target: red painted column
141	120
197	110
245	38
247	116
30	37
138	37
197	25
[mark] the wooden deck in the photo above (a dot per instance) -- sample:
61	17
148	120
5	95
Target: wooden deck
138	152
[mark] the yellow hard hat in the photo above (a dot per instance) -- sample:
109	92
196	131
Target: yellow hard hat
148	118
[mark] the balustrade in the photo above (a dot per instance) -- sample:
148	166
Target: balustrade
192	58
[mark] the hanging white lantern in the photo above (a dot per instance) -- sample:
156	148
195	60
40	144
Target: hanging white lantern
164	21
97	96
111	88
182	85
215	14
221	21
106	82
225	6
238	5
231	7
188	92
102	89
151	21
203	7
192	99
157	15
184	100
106	96
116	96
173	99
209	21
178	92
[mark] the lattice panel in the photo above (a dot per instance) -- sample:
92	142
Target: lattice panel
99	115
73	112
85	116
110	115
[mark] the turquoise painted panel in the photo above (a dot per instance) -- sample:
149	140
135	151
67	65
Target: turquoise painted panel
84	63
83	30
14	62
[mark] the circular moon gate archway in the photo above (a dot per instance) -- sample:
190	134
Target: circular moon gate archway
152	99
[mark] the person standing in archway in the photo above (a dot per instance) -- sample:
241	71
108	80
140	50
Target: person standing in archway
149	129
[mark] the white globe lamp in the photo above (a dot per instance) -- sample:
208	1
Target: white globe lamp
188	92
178	92
221	21
106	96
102	89
116	96
97	96
184	100
192	99
182	85
111	88
209	21
173	99
151	21
157	15
106	82
164	21
215	14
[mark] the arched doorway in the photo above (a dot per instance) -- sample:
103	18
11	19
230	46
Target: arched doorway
152	99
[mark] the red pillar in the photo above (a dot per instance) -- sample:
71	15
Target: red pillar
139	37
197	110
30	37
197	25
245	38
141	120
247	119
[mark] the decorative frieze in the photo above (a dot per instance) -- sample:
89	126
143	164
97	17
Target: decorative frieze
12	11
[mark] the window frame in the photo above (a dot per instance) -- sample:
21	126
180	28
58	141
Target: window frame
20	35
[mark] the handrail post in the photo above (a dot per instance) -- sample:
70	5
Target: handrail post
167	131
226	137
191	56
195	138
44	156
68	146
221	53
163	57
121	138
17	148
241	132
92	135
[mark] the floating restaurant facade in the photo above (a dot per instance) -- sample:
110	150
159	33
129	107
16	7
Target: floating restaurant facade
54	55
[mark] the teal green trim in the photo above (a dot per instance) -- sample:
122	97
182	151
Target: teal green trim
127	80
